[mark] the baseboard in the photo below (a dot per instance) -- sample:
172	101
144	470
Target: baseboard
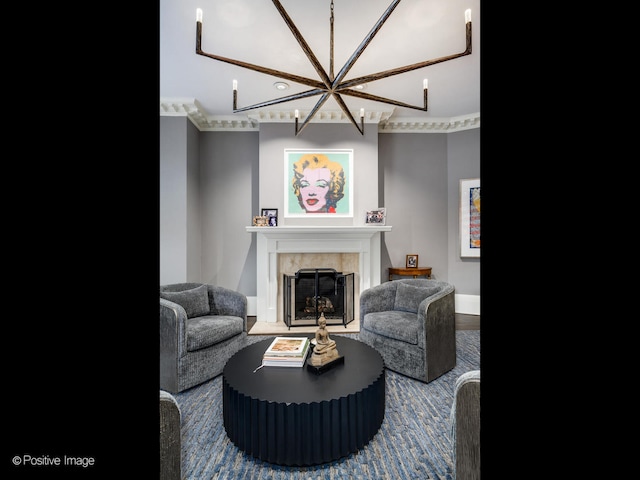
468	304
252	306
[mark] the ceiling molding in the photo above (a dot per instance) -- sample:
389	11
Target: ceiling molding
191	108
432	125
322	116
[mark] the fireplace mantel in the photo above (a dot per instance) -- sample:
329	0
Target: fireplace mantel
272	241
275	232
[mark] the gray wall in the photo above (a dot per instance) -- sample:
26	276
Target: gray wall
173	199
417	179
463	161
229	198
414	169
180	225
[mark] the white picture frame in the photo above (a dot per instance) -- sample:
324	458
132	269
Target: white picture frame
376	217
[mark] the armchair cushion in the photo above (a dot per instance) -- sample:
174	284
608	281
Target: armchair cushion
394	324
203	332
194	301
408	297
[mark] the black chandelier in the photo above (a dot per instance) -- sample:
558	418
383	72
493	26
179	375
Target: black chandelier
330	84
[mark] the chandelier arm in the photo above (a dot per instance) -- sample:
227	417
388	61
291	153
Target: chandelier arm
408	68
375	98
396	71
352	60
269	71
346	111
331	76
312	113
275	101
303	44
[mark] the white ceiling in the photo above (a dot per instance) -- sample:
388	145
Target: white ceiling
253	31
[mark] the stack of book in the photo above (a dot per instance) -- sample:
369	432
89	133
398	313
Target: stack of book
286	352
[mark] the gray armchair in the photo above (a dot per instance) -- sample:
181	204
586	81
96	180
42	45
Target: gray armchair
411	322
201	327
465	426
170	438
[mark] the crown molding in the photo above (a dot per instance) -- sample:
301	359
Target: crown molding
432	125
191	108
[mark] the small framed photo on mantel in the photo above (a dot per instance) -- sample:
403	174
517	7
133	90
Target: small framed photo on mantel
376	217
272	216
260	221
412	261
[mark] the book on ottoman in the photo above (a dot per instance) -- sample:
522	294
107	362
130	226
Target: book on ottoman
286	352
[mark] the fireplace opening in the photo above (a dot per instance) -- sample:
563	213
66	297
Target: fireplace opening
311	292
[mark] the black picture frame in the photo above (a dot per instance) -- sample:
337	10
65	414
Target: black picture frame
272	216
412	261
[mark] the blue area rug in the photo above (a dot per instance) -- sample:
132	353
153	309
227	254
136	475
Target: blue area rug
414	441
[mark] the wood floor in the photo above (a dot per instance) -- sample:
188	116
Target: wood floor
467	322
463	322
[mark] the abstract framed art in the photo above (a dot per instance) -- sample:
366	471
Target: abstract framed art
470	217
318	183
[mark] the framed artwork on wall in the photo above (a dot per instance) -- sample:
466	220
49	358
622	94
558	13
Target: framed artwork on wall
318	183
470	217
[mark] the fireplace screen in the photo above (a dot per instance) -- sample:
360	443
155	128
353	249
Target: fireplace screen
314	291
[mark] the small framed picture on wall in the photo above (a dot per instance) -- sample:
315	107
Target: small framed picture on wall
272	216
412	261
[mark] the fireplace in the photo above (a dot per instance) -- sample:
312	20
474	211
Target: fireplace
363	241
312	292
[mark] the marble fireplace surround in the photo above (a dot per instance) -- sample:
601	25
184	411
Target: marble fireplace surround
286	249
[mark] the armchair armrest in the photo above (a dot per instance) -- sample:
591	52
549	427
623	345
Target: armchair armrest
172	328
465	425
439	307
170	437
436	317
173	342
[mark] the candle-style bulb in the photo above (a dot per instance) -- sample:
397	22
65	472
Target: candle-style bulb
361	112
425	83
235	85
199	15
297	114
467	15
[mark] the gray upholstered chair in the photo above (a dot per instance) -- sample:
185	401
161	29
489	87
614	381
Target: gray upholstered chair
411	322
465	426
201	327
170	438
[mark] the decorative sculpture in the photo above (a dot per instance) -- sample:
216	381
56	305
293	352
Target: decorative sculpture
325	353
